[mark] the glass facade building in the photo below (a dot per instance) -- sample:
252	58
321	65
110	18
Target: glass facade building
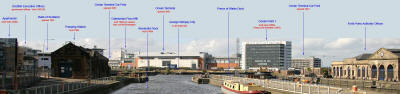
271	54
8	53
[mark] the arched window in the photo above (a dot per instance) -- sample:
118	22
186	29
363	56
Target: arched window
374	71
358	72
341	71
363	72
390	72
334	71
366	70
348	71
381	72
337	71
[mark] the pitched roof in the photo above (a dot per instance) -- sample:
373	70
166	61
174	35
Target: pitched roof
363	56
84	50
395	51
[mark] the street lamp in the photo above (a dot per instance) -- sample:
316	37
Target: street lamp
34	68
44	43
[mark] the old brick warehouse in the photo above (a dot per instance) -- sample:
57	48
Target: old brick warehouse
72	61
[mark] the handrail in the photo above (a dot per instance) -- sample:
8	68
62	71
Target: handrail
285	85
67	87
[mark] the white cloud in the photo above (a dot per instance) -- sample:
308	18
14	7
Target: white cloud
328	50
340	48
341	43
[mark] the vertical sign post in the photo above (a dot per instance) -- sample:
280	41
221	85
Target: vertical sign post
147	30
227	10
180	24
304	7
163	11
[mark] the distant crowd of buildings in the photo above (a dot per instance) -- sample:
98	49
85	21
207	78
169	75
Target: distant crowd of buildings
67	61
276	55
14	57
75	61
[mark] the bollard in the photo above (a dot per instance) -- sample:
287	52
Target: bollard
51	89
329	89
57	88
318	88
294	87
301	88
62	87
309	88
282	85
68	87
44	90
3	91
354	89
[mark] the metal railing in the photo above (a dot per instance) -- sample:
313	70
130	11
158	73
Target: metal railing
285	86
68	87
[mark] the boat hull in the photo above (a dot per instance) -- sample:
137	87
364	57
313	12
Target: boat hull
226	90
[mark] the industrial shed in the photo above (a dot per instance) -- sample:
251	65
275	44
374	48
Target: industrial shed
72	61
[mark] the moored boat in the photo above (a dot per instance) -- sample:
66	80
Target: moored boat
233	87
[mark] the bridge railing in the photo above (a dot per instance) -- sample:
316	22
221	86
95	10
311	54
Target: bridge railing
67	87
285	86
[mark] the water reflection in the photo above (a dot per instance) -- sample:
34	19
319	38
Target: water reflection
169	84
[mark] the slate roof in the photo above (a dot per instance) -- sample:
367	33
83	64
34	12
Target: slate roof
395	51
363	56
85	50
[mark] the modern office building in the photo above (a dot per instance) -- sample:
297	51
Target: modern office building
271	54
301	63
30	58
171	60
8	53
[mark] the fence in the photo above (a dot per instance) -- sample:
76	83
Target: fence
68	87
285	86
24	78
364	84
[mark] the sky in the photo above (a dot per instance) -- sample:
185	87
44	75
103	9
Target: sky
327	34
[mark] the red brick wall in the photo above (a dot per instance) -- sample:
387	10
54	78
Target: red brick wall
222	65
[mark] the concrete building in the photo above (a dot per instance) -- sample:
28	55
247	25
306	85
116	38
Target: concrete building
271	54
380	65
170	60
222	63
114	64
71	61
127	60
30	58
127	57
301	63
8	53
44	60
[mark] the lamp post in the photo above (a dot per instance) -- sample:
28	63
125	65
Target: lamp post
34	68
44	43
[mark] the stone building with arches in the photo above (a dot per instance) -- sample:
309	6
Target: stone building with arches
382	65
